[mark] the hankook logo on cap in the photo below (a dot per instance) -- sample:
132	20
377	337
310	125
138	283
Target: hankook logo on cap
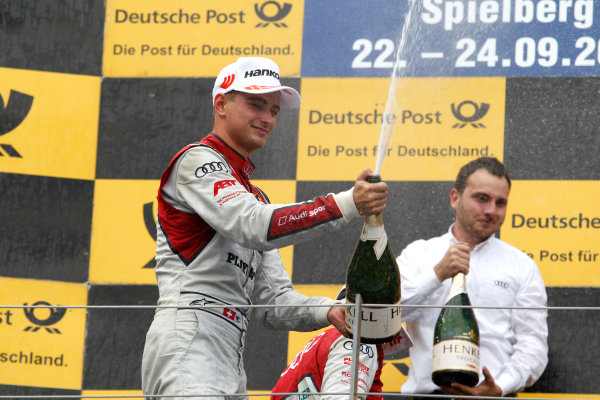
261	72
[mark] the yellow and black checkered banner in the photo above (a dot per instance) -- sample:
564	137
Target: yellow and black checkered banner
97	96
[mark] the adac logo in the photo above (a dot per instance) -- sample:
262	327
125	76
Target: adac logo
16	109
56	314
466	117
265	12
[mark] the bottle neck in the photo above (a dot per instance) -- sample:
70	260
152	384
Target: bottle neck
458	286
373	225
372	228
374	221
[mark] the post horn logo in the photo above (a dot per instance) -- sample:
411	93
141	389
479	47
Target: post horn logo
280	13
11	115
479	111
56	314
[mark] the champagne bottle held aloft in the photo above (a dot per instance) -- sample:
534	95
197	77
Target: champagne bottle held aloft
373	272
456	340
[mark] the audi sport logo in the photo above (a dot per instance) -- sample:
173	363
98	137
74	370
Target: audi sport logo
209	168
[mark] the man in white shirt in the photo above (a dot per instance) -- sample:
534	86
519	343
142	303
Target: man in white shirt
513	341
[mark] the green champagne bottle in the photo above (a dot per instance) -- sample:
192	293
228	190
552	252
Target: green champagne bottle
373	272
456	340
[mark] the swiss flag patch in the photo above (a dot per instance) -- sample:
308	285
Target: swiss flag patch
229	313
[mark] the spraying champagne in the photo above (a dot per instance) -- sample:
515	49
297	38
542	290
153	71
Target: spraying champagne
373	272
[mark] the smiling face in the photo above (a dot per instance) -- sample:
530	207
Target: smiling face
480	208
245	121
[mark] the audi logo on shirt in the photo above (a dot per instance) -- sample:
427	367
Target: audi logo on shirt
208	168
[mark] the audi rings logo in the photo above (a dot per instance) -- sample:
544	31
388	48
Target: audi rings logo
265	12
501	284
56	314
478	112
365	349
209	168
248	170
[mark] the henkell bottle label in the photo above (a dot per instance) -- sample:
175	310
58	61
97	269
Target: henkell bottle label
455	354
376	322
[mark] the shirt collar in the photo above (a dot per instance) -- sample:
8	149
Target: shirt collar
235	159
454	240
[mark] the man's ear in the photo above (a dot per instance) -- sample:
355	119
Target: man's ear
454	196
220	101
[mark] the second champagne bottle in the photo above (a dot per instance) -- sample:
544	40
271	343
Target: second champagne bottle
456	339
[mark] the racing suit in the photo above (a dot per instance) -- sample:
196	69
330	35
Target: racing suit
325	366
217	237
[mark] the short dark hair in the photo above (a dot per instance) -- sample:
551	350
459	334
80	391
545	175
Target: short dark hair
490	164
231	94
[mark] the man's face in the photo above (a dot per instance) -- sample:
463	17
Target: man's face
481	208
250	119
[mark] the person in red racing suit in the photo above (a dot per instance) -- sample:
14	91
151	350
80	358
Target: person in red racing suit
325	366
217	241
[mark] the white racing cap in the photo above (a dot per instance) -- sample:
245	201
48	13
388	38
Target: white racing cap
255	75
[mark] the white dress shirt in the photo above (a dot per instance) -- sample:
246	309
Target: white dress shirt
513	342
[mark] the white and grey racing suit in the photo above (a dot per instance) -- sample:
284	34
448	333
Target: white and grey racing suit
217	237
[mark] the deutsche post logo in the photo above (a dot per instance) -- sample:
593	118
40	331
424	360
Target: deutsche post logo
473	114
56	314
265	12
16	109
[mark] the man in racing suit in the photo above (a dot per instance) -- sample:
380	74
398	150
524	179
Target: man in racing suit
217	237
325	366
